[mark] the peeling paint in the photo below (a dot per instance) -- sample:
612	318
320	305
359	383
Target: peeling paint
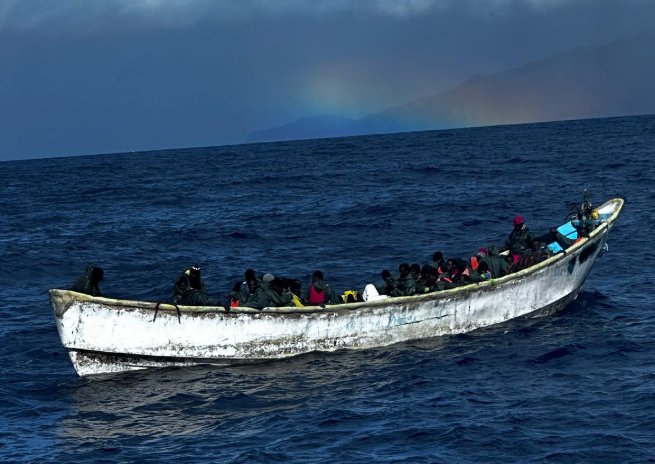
104	335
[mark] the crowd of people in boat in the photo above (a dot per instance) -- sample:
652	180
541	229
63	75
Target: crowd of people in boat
522	249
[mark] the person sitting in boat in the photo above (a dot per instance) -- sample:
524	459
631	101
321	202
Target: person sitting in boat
88	282
463	274
483	271
496	263
519	240
438	262
190	289
587	218
444	280
415	270
452	274
405	284
248	286
235	295
319	293
426	280
266	295
349	296
389	285
540	251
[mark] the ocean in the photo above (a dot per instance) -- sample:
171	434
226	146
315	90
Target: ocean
575	387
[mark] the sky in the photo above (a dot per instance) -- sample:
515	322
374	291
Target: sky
105	76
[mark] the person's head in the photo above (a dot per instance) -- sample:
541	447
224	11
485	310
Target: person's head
518	222
450	265
461	266
482	253
415	268
403	269
97	275
427	271
350	296
194	276
250	275
268	278
386	274
437	256
317	276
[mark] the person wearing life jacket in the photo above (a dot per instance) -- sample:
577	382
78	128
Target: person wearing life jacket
189	289
235	295
405	284
463	274
438	262
445	277
479	256
88	282
319	293
519	240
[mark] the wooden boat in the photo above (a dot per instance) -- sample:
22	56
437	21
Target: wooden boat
104	335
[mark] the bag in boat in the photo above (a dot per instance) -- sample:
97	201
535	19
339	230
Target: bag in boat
370	293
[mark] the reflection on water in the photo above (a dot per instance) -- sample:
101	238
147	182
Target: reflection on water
245	400
195	400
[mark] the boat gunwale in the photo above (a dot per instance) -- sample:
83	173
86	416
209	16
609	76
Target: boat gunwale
67	297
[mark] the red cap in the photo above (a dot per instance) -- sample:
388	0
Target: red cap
518	220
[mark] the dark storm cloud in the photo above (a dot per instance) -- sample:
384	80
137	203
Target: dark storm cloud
118	75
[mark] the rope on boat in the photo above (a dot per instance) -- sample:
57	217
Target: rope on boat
179	313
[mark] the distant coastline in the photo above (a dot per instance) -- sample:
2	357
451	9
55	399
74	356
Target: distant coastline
616	79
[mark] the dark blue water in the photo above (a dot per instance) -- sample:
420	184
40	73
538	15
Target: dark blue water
575	387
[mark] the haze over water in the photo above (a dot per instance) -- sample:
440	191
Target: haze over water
575	387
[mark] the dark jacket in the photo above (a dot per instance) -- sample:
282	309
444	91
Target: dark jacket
85	283
519	240
185	294
405	286
497	265
247	289
264	296
424	284
388	288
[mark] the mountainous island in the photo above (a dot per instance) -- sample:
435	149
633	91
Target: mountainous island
616	79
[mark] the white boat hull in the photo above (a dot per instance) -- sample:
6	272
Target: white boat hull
104	335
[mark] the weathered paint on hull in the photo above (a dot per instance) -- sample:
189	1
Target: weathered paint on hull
90	362
104	335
